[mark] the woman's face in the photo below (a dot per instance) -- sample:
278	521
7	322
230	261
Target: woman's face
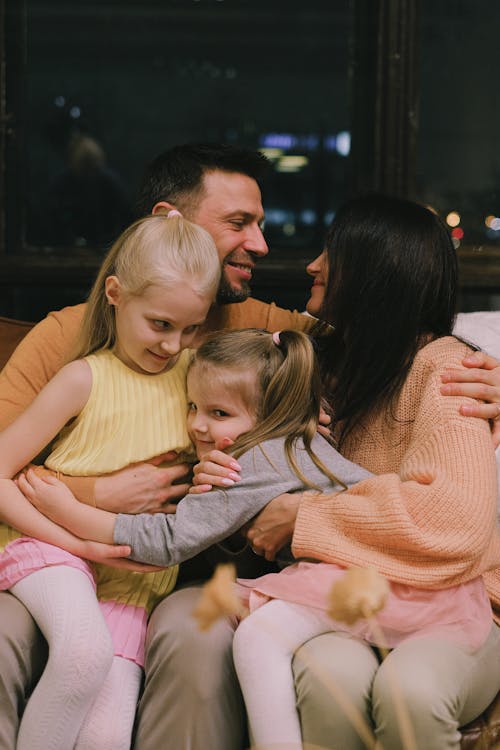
318	269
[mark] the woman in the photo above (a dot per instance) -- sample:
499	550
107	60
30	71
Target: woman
387	282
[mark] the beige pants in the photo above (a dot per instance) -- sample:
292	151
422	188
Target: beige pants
442	685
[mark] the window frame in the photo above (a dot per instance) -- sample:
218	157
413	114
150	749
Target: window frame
383	71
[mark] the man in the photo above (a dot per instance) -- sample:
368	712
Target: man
191	697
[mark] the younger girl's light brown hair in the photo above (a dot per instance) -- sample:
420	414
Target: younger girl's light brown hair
158	250
277	377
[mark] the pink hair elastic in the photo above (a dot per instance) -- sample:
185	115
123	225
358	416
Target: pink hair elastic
173	212
276	338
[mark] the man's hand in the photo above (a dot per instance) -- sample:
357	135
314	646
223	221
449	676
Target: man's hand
115	556
480	379
143	487
273	527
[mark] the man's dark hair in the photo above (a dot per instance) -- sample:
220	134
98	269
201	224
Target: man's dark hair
176	175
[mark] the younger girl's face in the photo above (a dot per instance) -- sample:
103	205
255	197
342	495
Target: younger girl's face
318	269
215	412
154	327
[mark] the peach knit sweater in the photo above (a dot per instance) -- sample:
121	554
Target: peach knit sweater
428	518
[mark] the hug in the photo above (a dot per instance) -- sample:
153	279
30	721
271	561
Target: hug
172	364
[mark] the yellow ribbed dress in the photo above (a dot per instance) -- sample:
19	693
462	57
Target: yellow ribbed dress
128	417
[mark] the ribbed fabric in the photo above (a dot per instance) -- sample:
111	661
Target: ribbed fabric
128	417
100	439
429	518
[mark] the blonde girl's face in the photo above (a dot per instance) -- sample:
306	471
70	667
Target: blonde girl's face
318	269
215	412
153	328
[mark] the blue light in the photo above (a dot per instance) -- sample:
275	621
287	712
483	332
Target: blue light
339	143
330	143
308	217
278	216
278	140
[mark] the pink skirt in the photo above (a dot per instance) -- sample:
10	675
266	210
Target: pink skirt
461	613
127	623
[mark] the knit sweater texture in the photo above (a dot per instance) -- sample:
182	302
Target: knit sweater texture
428	517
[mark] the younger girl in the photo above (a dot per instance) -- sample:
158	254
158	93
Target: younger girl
121	401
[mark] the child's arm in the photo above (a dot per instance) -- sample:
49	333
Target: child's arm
164	539
62	399
56	501
200	520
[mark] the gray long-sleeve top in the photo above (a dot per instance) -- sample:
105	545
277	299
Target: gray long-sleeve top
203	520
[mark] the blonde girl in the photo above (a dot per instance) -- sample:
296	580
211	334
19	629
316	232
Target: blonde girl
121	400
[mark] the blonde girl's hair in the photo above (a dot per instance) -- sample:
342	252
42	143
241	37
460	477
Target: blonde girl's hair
277	379
158	250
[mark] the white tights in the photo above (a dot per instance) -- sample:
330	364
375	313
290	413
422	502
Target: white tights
63	602
263	648
109	723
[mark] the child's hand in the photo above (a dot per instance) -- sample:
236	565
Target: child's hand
46	493
215	468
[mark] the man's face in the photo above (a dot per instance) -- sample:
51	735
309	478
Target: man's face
231	210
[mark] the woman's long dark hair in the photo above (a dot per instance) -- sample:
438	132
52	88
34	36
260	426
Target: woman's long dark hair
392	284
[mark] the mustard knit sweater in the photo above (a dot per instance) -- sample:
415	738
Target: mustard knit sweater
428	518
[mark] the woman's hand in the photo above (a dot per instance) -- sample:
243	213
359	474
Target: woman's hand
215	468
480	379
273	527
144	487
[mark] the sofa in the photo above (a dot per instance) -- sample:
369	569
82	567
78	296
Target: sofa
482	329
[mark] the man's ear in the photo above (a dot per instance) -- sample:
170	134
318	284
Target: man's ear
113	290
162	207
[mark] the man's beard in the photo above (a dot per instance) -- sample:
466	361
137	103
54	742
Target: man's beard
227	295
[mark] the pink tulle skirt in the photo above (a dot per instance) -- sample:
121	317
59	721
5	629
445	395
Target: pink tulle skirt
461	613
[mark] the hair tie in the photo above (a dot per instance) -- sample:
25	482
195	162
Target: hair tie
276	338
173	212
